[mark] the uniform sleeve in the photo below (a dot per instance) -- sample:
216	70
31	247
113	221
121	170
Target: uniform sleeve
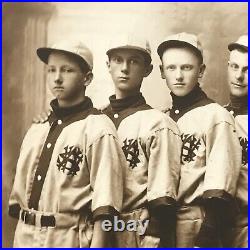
105	160
163	167
18	191
223	161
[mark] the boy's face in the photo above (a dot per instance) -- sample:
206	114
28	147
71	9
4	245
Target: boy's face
65	79
181	69
238	73
127	68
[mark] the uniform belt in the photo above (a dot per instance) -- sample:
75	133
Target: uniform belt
30	218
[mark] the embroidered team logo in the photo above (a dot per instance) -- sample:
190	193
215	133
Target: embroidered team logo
244	146
190	146
131	151
69	160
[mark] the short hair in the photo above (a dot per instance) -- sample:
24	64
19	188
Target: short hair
84	67
240	49
147	58
190	48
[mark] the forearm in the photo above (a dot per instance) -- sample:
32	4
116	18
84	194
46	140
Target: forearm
100	237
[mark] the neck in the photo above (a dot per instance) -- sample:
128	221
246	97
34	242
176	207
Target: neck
122	94
68	104
238	102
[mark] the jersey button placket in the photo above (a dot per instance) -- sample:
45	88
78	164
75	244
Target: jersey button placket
116	115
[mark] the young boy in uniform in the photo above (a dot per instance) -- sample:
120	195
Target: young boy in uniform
210	159
238	107
151	144
69	170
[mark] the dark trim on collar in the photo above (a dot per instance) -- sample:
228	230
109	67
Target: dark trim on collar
66	113
238	105
182	104
119	109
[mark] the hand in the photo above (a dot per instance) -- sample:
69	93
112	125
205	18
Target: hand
42	117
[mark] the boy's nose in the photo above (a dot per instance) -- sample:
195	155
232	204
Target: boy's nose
125	67
58	78
239	75
179	75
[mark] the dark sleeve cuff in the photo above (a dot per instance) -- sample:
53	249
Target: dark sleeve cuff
104	212
161	202
162	207
14	210
217	193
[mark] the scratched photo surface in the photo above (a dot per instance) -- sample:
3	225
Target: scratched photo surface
27	26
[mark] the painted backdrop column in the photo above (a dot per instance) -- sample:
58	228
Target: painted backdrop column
23	85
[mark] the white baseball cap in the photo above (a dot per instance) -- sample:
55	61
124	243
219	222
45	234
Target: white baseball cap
242	42
76	48
130	41
183	38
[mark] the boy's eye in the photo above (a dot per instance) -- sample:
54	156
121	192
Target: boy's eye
117	59
51	70
234	66
133	61
187	67
171	67
67	70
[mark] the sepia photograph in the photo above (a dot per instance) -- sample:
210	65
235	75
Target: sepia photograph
125	124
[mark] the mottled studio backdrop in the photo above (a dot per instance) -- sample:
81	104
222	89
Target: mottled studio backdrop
27	26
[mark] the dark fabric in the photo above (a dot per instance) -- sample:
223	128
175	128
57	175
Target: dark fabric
196	98
79	112
163	210
119	109
14	210
239	105
104	212
219	217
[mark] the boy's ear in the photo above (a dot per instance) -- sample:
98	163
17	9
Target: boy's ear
108	65
148	70
162	72
87	79
202	70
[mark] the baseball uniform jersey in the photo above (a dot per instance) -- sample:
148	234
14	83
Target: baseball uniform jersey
68	174
210	158
238	107
151	144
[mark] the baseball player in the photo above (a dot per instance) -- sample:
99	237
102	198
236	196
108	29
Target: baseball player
68	176
238	107
210	155
151	144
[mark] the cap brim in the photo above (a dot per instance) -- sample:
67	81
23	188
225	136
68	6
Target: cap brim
233	46
175	43
43	54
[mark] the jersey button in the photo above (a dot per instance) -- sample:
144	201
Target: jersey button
48	145
116	116
39	177
231	112
59	122
177	111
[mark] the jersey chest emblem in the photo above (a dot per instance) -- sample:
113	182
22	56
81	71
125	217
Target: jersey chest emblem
68	161
190	146
244	146
131	151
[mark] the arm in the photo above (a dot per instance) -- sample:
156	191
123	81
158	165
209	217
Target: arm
100	238
163	180
223	166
